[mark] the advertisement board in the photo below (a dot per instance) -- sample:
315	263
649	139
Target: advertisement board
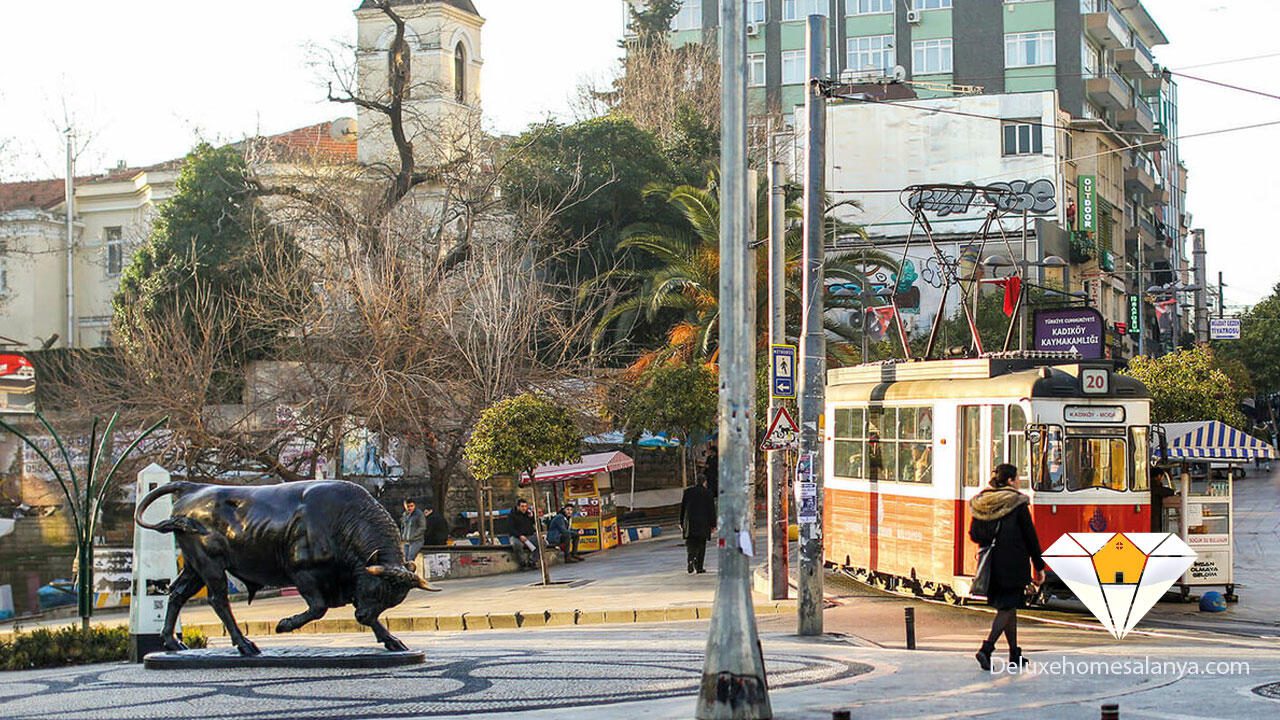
1077	330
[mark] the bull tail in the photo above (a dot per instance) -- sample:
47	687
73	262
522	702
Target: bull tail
178	524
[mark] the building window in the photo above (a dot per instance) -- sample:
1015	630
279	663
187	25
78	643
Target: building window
1023	138
1029	49
1091	6
868	7
801	9
113	238
755	70
871	53
689	17
1090	58
930	5
460	74
756	11
793	67
931	56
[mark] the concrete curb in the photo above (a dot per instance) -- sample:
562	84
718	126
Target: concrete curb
502	621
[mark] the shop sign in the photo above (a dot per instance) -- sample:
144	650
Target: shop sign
1088	185
1224	328
1135	313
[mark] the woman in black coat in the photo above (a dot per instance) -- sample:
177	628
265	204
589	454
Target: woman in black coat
1002	515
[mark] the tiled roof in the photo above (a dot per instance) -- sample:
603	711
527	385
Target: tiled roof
43	194
463	5
314	142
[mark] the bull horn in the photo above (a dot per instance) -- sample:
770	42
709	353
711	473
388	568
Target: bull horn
375	569
424	585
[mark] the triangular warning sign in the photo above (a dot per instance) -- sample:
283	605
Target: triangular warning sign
783	432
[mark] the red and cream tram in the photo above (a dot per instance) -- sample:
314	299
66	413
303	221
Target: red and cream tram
908	444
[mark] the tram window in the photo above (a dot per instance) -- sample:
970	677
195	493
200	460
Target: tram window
1049	466
1140	480
997	435
850	442
1018	451
971	445
1094	462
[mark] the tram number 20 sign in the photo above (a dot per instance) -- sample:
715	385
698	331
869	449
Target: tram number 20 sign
1095	381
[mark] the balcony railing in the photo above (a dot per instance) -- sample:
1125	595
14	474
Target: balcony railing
1108	89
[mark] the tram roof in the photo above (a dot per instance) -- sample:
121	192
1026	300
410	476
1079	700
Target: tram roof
975	378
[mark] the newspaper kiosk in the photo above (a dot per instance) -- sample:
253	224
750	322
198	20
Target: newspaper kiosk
1202	459
588	484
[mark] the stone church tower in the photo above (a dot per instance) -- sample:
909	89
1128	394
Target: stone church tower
445	65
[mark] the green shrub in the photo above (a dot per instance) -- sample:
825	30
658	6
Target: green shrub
72	646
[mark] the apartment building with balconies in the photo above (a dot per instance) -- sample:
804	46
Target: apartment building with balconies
1096	55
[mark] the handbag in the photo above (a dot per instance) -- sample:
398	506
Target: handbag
982	576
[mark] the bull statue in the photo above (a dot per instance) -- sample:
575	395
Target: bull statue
330	539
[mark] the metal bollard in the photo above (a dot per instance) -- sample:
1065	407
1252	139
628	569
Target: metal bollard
1111	711
841	715
910	614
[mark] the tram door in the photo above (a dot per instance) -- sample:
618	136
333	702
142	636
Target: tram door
973	466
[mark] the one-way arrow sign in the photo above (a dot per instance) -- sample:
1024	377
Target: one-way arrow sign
783	432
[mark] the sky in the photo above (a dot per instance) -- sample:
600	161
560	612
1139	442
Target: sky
146	79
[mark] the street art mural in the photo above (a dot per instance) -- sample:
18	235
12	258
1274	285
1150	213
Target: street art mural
1036	197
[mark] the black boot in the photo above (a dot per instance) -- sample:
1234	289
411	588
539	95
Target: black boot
984	655
1016	658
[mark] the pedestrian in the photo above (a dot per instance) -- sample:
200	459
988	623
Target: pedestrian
413	528
523	534
1002	523
697	522
563	535
711	471
436	530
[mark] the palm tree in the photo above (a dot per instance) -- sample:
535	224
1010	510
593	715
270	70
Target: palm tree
680	285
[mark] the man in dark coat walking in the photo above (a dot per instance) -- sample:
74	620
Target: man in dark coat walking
698	520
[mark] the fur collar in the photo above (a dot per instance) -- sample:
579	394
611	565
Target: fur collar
995	503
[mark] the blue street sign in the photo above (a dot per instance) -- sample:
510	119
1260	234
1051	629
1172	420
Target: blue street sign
782	371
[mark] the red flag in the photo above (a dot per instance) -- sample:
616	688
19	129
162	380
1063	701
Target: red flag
1012	290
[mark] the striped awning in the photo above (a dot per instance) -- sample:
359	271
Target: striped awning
1214	440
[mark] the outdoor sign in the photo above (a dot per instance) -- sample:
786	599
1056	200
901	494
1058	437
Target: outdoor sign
1135	313
1119	577
155	565
1077	330
1088	185
17	384
782	371
1093	414
783	432
1224	328
1122	328
1095	381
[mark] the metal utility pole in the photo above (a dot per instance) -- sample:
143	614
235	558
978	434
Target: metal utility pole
813	347
1221	300
733	678
1142	302
1201	284
778	570
69	341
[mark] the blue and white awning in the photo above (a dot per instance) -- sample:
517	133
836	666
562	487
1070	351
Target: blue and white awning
1214	440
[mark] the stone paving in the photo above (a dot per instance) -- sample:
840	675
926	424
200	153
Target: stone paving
653	672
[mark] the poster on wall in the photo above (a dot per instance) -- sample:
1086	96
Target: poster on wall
112	576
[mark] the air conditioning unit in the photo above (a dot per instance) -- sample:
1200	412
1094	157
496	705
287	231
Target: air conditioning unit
914	16
753	29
